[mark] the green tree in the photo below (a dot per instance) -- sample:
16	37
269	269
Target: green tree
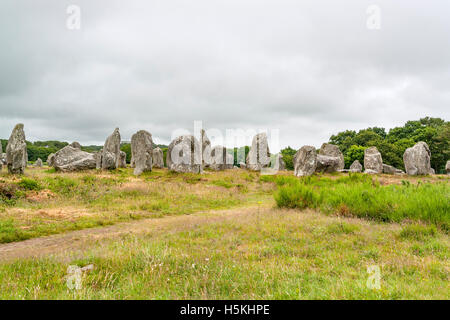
288	157
354	153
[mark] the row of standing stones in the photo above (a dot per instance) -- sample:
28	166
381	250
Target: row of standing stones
188	154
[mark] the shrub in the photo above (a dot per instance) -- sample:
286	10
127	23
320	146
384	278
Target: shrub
29	184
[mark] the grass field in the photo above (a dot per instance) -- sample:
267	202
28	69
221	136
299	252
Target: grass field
223	235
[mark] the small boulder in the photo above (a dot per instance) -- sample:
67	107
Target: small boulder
70	159
331	150
111	151
38	163
242	165
259	154
158	158
305	161
98	159
373	162
328	164
142	151
356	166
417	159
16	151
391	170
447	167
184	154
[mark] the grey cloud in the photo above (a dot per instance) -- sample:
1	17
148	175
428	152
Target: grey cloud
308	68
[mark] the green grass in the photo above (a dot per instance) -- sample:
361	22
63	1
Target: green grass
270	255
363	196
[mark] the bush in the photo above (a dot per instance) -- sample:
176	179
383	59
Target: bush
29	184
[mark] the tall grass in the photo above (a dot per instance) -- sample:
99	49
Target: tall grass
362	196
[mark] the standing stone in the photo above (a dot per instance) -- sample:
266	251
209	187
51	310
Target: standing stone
206	150
242	165
185	155
50	159
391	170
158	158
373	162
356	166
111	151
279	163
70	159
417	159
1	156
447	167
305	161
16	151
331	150
259	155
142	151
38	163
218	158
123	160
229	161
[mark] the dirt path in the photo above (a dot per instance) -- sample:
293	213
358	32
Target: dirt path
71	242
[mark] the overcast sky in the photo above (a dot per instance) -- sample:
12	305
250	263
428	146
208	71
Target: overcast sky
307	68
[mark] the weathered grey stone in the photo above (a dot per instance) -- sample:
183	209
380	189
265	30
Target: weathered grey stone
279	163
123	160
38	163
142	151
220	159
73	159
391	170
447	167
331	150
158	158
111	151
417	159
50	159
373	162
16	151
98	159
356	166
206	150
184	154
328	164
75	145
305	161
1	156
229	163
259	155
242	165
432	171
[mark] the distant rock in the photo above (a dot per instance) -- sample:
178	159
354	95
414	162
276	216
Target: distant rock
242	165
356	166
328	164
279	164
50	159
98	159
111	151
38	163
259	154
447	167
123	160
305	161
206	150
220	159
373	162
417	159
391	170
158	158
184	154
70	159
142	151
331	150
1	156
75	145
16	151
